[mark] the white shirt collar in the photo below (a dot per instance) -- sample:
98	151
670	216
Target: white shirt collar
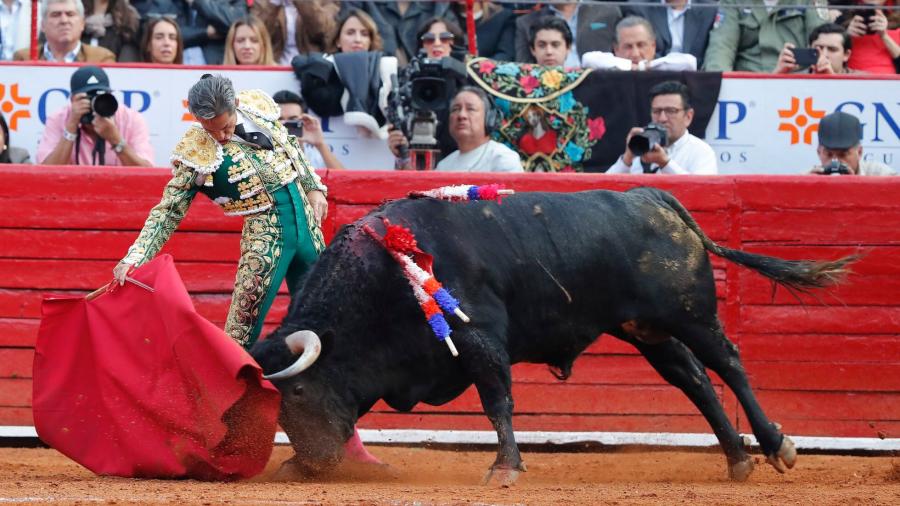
70	57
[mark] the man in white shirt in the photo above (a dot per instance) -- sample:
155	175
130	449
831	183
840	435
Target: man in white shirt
634	49
472	117
670	108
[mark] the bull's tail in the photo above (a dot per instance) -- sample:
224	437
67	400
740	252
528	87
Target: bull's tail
800	275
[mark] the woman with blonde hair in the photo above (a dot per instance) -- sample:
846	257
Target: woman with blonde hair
356	31
162	42
248	43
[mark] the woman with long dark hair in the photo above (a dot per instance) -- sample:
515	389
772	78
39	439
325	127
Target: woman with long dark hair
112	24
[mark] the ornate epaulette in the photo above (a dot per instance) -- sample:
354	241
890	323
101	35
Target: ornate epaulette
258	103
198	150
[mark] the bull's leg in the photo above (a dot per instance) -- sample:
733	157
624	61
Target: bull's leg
489	366
677	365
710	344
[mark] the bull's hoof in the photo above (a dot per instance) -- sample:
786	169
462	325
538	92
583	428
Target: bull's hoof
290	470
785	457
740	471
503	477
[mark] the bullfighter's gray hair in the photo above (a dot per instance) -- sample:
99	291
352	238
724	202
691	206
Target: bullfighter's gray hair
211	96
79	6
631	21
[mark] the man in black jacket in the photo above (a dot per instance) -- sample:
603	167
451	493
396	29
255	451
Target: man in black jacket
680	26
203	23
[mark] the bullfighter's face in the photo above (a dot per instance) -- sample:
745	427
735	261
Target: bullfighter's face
221	127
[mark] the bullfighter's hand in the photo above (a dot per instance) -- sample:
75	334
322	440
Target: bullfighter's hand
628	156
81	105
656	155
106	128
319	204
121	272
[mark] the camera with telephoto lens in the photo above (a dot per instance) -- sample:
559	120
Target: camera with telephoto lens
294	127
103	103
641	143
836	168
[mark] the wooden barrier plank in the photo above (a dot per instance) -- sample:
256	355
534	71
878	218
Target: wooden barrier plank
18	332
876	259
15	392
112	245
819	320
828	376
802	405
858	290
11	415
825	227
804	192
598	370
15	363
835	428
579	399
825	348
524	422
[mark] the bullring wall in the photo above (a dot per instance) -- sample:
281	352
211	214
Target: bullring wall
827	366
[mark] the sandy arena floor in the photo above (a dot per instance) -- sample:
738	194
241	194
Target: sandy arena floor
425	476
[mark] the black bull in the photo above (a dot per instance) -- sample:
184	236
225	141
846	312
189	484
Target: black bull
541	276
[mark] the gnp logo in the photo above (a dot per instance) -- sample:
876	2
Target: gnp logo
10	101
800	121
137	100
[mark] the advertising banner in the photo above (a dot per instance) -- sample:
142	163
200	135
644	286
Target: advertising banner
760	125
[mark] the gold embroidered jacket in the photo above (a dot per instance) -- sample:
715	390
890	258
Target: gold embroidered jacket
238	177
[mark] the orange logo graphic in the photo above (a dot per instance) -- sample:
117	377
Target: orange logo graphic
187	116
8	105
800	121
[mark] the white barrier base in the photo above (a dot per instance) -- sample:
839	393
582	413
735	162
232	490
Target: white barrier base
479	437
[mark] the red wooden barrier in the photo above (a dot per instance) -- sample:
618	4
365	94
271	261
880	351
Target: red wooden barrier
819	369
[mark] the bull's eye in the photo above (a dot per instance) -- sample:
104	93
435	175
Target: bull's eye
298	390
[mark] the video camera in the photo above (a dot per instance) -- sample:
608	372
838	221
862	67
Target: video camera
425	88
103	103
641	143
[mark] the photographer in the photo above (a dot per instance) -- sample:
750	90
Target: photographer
426	86
307	128
668	147
95	129
839	150
876	36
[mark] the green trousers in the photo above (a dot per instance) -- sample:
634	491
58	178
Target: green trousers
274	245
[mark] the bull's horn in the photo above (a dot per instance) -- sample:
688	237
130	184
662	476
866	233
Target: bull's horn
305	341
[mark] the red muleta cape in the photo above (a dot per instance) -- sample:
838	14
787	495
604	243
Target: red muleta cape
135	383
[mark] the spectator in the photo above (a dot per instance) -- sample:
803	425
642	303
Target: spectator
591	24
203	24
634	49
472	117
10	154
437	38
550	41
751	39
495	29
839	150
298	26
670	107
248	43
833	45
681	26
62	24
76	135
15	27
876	45
112	24
296	119
356	31
398	21
162	42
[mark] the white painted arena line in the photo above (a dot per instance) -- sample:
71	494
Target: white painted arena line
479	437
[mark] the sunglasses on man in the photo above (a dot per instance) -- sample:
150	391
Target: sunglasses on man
445	37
